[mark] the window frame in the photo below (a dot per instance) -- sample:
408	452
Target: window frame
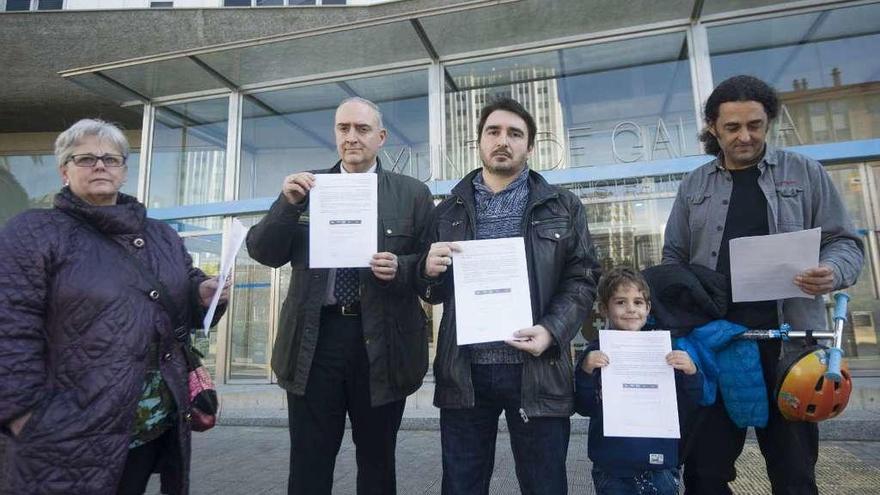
33	6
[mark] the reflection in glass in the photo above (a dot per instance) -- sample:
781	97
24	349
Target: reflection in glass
193	225
31	181
251	320
627	219
50	5
860	336
189	154
618	102
824	65
291	130
16	5
205	251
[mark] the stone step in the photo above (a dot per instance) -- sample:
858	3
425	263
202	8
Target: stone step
266	405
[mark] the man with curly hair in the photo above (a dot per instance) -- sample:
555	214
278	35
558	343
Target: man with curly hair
753	189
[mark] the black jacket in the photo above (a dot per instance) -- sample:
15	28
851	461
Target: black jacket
684	297
394	324
562	278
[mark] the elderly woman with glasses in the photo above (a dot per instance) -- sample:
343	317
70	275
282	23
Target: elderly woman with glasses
93	379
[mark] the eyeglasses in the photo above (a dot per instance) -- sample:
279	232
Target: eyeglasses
90	160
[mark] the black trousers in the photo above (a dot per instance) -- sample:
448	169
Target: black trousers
145	460
339	383
790	449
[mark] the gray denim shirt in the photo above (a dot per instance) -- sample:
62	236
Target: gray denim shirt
800	195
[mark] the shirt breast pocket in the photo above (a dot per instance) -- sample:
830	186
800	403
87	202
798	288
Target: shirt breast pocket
398	236
698	210
790	208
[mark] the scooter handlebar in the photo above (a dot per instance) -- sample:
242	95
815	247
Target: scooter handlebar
833	371
841	299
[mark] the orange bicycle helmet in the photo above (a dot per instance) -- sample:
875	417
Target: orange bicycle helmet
802	391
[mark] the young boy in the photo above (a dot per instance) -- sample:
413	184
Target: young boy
631	465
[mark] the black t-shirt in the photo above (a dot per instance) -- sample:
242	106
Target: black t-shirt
746	216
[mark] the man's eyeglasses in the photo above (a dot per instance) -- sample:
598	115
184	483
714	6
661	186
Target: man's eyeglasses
90	160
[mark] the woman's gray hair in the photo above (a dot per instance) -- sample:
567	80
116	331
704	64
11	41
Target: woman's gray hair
73	136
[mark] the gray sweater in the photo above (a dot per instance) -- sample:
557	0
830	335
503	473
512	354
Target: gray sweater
499	215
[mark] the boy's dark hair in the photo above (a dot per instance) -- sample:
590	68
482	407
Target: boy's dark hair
622	275
736	88
512	106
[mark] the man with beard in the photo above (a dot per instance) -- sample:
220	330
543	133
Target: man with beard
530	378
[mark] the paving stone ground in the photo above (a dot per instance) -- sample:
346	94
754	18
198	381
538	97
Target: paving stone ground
231	460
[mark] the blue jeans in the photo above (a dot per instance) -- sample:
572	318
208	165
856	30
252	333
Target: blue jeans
659	482
467	436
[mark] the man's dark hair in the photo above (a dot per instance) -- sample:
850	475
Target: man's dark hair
736	88
512	106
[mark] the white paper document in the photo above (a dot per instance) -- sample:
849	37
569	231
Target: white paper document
762	268
343	215
231	246
638	387
492	298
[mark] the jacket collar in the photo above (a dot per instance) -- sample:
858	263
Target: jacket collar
539	189
336	169
769	158
127	216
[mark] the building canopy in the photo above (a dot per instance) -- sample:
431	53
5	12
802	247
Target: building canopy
446	33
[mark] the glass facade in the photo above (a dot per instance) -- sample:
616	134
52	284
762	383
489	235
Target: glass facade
856	183
824	65
617	121
31	181
205	251
18	5
189	153
291	130
627	218
250	333
621	102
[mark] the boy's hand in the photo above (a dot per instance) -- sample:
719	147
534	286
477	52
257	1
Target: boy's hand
680	360
595	359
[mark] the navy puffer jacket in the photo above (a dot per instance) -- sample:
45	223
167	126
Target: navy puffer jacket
76	323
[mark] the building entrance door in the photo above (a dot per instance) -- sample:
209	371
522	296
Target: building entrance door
858	187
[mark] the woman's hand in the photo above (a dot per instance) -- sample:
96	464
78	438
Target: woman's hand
595	359
209	287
